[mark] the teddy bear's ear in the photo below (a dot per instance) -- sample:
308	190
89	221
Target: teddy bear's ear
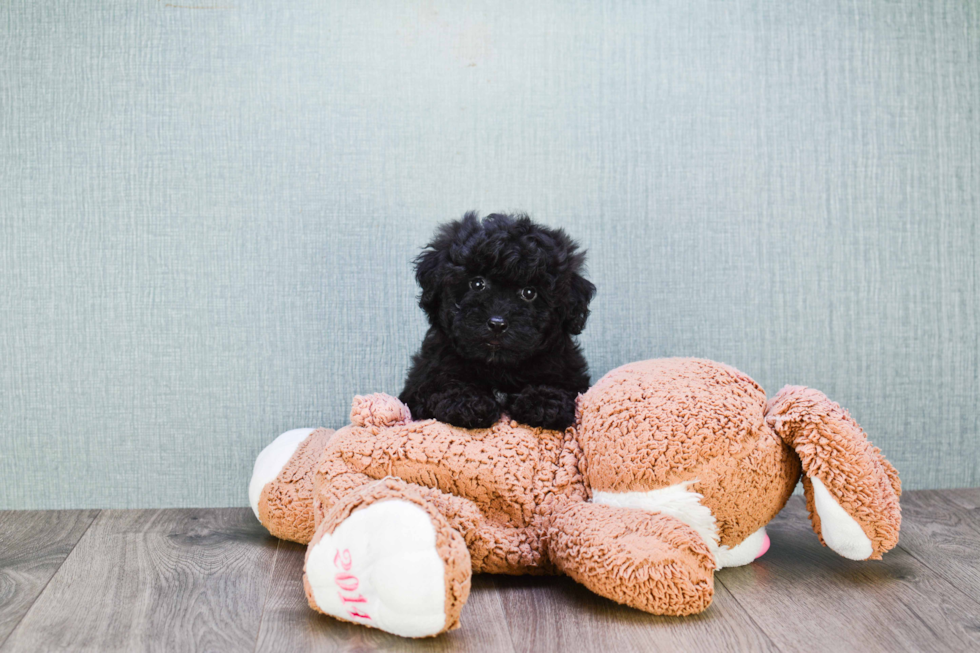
580	294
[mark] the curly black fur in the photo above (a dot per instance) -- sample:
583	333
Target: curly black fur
503	296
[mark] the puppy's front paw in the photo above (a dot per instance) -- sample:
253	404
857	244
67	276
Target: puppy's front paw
468	408
546	406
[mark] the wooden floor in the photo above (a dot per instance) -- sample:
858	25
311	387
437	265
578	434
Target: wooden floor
208	580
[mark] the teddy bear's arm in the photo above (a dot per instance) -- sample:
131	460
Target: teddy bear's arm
647	560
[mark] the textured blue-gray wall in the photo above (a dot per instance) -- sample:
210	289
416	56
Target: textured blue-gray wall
207	216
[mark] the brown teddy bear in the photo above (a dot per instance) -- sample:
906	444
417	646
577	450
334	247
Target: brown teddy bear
671	470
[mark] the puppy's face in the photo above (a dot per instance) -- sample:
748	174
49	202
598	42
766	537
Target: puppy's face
503	288
498	319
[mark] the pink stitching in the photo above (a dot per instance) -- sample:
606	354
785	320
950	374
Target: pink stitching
345	561
348	582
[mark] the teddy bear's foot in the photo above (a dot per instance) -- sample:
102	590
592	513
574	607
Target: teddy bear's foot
270	462
838	529
391	565
281	488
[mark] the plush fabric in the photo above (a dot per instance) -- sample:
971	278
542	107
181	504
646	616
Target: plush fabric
670	467
449	542
662	422
834	449
286	503
647	560
496	485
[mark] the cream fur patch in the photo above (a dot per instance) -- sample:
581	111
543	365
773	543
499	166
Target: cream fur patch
678	501
270	462
841	533
380	567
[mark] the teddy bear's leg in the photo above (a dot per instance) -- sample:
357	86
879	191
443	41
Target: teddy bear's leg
851	490
494	547
281	488
647	560
386	558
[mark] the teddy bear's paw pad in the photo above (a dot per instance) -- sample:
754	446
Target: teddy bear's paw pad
380	567
749	549
270	462
839	530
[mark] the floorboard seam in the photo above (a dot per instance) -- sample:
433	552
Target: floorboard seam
268	588
748	614
44	589
939	574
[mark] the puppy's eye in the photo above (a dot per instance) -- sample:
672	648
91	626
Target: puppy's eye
478	284
528	294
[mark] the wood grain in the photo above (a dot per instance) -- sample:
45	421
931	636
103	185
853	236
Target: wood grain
942	530
288	623
175	580
966	498
804	596
33	545
557	614
214	580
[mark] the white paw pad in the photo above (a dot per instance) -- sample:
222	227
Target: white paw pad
380	567
841	533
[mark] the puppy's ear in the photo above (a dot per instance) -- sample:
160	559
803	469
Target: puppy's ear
580	294
428	266
434	268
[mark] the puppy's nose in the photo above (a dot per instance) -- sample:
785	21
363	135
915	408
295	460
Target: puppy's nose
497	324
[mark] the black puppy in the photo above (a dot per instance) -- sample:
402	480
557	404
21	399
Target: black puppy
503	296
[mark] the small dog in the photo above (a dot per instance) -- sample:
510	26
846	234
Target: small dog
503	296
